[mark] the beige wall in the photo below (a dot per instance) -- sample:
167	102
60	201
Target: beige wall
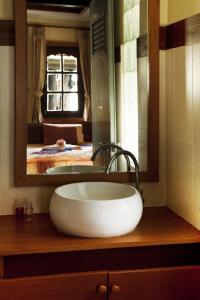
8	193
180	9
154	193
164	12
6	9
61	35
183	122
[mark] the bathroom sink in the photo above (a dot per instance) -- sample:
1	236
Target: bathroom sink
96	209
74	169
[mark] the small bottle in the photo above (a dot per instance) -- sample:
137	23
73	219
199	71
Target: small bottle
29	211
19	210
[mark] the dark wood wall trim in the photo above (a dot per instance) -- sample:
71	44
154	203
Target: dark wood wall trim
192	30
7	33
181	33
172	36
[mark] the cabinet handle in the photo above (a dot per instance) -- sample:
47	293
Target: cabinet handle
115	289
102	289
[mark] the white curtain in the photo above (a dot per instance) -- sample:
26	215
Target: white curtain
84	49
127	115
36	70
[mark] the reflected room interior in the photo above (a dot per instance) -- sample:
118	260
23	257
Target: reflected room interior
58	91
79	96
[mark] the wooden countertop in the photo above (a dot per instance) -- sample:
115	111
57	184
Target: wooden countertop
159	226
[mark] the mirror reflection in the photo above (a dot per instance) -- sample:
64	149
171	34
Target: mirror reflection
80	98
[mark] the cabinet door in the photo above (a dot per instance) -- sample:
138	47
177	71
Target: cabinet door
81	286
156	284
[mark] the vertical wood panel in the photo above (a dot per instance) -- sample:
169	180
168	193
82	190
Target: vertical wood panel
20	91
153	114
1	267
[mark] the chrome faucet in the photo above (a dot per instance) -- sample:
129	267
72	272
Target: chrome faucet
110	146
126	154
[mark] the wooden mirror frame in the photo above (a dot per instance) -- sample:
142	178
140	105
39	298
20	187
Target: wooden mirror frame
20	176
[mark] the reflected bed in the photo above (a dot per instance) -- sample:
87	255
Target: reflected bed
41	157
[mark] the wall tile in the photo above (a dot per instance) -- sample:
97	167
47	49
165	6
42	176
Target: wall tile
182	188
155	192
170	173
196	185
6	91
170	94
183	93
196	94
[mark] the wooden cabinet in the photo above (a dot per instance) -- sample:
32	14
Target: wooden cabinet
143	284
156	284
85	286
160	260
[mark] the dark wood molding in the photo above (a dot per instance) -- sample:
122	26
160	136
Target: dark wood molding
192	30
1	267
103	259
7	33
117	54
181	33
184	32
172	36
153	108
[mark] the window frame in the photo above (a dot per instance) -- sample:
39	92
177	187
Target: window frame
68	50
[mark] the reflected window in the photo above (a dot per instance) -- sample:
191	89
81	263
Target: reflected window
54	102
63	91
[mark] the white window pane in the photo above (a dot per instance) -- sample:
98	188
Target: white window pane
54	102
70	82
69	63
54	82
70	102
54	63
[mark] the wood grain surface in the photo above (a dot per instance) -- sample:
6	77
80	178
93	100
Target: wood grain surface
158	226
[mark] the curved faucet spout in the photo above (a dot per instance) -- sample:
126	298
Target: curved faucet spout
126	154
110	146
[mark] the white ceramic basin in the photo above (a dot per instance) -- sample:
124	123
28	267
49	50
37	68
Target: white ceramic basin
74	169
96	209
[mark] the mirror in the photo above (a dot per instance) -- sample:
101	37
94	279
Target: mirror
62	88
